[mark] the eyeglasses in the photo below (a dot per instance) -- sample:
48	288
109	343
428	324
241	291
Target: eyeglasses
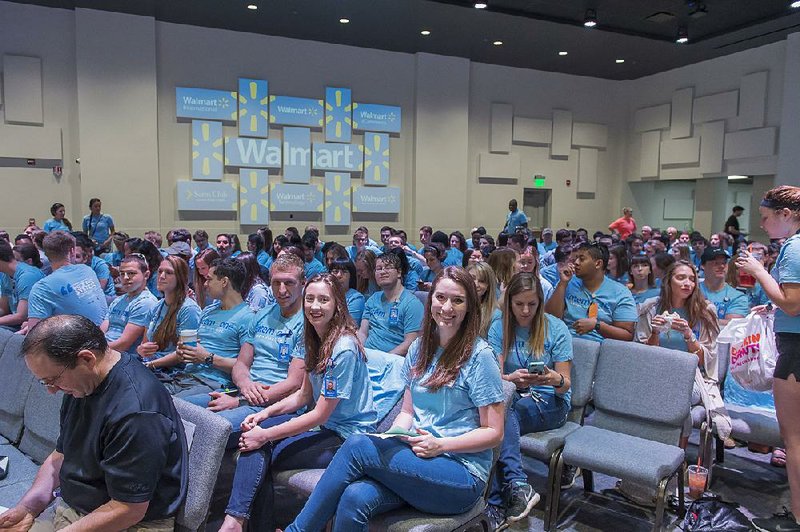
387	268
51	382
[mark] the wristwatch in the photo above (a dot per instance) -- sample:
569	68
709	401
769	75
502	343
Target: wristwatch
209	360
691	339
560	384
597	325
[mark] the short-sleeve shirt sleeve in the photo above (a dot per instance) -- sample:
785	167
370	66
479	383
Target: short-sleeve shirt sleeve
343	370
139	310
412	316
38	304
484	380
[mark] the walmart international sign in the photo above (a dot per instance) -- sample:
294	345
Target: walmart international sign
207	196
205	104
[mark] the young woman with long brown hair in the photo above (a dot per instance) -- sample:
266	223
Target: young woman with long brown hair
202	262
453	403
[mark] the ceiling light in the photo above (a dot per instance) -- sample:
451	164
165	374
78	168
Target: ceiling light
252	7
619	61
590	20
683	36
480	5
737	177
344	20
425	32
498	43
795	5
563	53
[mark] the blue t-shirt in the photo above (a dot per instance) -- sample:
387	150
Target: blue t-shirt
352	251
222	332
614	303
756	295
622	279
641	297
345	378
428	275
514	219
114	259
274	337
550	272
386	376
454	257
452	410
728	300
310	269
152	285
19	287
72	289
414	273
557	348
264	259
98	227
355	305
547	288
259	296
389	321
55	225
672	339
544	248
188	318
787	270
124	310
100	268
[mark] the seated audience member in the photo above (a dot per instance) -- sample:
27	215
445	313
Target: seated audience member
114	258
486	286
487	245
425	233
98	226
550	272
528	262
128	314
504	263
335	389
84	252
201	241
635	245
618	265
452	247
453	400
593	306
58	222
155	238
151	254
680	251
361	242
255	245
415	269
312	265
518	242
755	292
660	262
120	461
256	293
223	242
386	232
42	263
699	245
434	256
223	329
333	251
547	243
171	315
729	302
563	238
180	249
16	282
694	330
365	271
28	254
393	316
475	237
525	336
235	245
470	256
345	272
202	262
71	288
643	282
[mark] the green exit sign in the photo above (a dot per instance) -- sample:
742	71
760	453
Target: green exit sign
538	181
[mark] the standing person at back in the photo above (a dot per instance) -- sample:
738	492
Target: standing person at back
625	225
70	289
99	226
732	224
515	218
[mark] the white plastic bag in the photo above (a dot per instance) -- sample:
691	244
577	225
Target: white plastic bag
751	350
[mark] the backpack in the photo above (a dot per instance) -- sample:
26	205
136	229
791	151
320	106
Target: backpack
711	514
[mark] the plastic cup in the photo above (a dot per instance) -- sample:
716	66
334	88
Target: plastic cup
698	475
188	337
746	280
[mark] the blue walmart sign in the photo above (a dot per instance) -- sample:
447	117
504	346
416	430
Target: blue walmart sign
253	197
338	157
291	198
207	196
291	111
384	200
337	198
372	117
338	115
205	104
254	153
253	108
206	150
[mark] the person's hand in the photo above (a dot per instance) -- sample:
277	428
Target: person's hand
658	324
147	349
16	519
566	272
682	326
426	445
222	401
425	286
196	354
23	330
761	309
747	263
252	421
255	393
584	325
252	439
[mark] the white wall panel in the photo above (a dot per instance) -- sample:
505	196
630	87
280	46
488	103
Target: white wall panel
750	143
22	86
681	125
500	128
712	140
651	118
752	100
754	166
715	107
498	166
26	142
680	151
679	174
532	131
587	170
589	135
648	160
562	133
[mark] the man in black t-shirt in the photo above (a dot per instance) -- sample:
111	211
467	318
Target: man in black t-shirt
732	225
121	457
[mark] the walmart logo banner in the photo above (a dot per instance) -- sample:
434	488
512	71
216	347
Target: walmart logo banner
205	104
207	196
295	198
291	111
384	200
373	117
253	197
337	198
338	157
376	159
206	150
253	108
253	153
338	115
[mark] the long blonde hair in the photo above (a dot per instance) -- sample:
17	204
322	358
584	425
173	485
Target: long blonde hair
488	303
522	282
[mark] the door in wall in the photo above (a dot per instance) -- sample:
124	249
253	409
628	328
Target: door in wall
536	206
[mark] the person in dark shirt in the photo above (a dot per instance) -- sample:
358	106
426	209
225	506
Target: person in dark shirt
732	225
121	457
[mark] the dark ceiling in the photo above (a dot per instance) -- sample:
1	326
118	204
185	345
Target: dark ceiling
532	32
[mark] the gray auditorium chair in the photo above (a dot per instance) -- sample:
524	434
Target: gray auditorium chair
547	445
15	383
641	397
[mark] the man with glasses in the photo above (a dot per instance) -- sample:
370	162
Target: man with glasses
392	317
120	459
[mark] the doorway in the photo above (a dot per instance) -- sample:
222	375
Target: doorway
536	206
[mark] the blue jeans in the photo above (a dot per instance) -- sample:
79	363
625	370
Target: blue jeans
370	476
252	495
524	417
234	416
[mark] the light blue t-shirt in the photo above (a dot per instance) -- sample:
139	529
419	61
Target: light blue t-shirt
310	269
389	322
756	295
672	339
188	318
454	257
222	332
623	279
515	219
114	259
259	296
614	303
428	275
72	289
124	310
345	378
100	268
452	410
355	305
557	348
641	297
19	287
352	251
414	273
274	337
550	272
547	288
152	285
787	270
386	376
264	259
728	300
98	227
544	248
55	225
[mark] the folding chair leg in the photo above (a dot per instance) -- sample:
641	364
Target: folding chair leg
681	498
720	445
661	503
588	480
553	487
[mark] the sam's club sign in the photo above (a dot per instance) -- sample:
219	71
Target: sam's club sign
207	196
207	104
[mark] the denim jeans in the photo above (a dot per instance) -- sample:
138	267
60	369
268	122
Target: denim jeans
370	476
252	495
524	417
234	416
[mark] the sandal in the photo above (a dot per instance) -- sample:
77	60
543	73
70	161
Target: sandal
778	457
730	443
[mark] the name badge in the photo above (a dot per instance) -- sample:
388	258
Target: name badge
283	352
330	386
394	315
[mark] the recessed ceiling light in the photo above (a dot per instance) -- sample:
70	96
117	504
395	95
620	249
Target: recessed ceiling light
794	5
344	20
498	43
737	177
590	20
425	32
563	53
252	6
619	61
480	5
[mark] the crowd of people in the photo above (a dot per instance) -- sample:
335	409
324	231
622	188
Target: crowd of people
304	346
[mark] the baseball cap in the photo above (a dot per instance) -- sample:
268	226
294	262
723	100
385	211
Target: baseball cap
713	253
547	231
179	248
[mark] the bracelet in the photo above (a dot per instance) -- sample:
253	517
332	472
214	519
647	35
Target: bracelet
560	384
